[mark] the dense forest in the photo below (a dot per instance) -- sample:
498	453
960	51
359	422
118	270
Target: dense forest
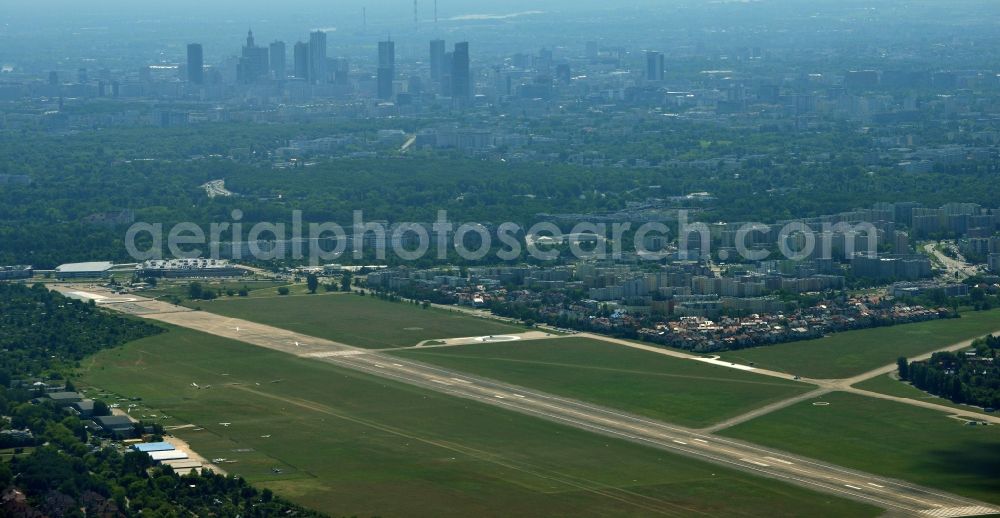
63	470
971	377
45	333
158	174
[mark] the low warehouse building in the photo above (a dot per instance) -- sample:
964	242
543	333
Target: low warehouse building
161	456
116	425
94	270
65	398
183	466
149	447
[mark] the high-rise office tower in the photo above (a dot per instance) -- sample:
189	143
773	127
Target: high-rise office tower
437	59
253	64
277	58
195	64
446	70
655	66
341	71
386	68
564	74
461	76
317	57
300	61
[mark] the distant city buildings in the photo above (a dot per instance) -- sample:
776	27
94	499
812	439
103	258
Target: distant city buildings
437	60
891	267
254	63
317	71
195	64
461	74
277	55
655	66
300	61
386	74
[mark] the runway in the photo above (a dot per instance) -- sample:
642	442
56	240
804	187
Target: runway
897	497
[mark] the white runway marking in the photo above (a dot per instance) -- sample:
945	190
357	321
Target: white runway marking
949	512
729	365
334	354
497	338
779	460
852	487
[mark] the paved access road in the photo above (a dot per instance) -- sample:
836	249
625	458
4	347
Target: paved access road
896	496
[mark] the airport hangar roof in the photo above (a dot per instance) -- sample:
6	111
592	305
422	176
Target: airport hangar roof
167	455
101	266
149	447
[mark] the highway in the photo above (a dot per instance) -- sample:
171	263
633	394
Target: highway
899	498
956	269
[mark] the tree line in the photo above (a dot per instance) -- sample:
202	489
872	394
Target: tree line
969	377
64	470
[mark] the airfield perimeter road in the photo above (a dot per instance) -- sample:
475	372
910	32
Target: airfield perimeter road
897	497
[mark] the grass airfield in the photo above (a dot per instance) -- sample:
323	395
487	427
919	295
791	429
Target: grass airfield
361	321
673	390
350	444
886	438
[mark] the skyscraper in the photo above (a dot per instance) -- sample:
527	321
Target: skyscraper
300	61
437	59
386	68
317	57
253	64
341	71
195	64
461	77
563	73
655	68
277	53
446	71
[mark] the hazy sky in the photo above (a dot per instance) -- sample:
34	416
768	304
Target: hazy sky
235	8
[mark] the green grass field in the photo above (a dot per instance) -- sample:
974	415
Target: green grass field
678	391
887	438
353	445
847	354
356	320
889	384
179	288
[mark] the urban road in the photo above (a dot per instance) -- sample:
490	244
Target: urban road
897	497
